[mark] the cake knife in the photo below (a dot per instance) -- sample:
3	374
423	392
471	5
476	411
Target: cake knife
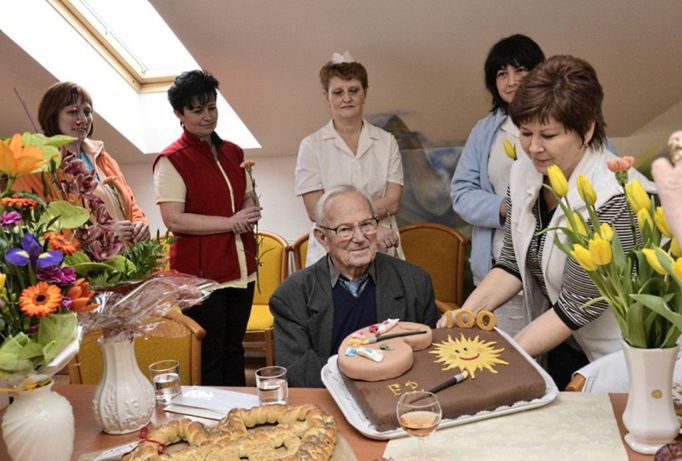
458	378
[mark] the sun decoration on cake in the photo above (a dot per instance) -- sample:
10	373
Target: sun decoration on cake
468	354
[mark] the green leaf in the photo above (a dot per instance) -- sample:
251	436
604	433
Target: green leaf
55	332
77	258
635	335
659	306
67	215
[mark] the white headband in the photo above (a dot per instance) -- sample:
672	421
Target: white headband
338	58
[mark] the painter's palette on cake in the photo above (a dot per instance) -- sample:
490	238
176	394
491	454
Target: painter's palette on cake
502	379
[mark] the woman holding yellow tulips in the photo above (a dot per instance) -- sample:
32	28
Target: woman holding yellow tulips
480	182
558	111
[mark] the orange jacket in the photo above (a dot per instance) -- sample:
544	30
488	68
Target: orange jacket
109	167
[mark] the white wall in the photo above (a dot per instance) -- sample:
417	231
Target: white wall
283	212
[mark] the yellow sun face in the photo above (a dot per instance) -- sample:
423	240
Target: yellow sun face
468	355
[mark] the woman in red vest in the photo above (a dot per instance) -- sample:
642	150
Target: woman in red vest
205	201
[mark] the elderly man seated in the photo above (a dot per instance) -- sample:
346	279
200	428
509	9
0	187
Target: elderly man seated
352	287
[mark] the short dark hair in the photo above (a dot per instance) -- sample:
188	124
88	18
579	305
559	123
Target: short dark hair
566	89
57	97
517	51
344	71
192	87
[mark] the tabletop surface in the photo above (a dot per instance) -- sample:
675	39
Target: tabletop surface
89	438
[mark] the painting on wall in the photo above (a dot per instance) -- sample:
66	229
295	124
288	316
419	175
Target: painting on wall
428	171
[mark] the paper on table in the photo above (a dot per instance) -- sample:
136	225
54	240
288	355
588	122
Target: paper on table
575	426
208	402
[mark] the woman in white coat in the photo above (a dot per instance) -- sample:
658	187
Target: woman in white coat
349	150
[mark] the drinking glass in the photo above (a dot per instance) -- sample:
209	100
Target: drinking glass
165	376
419	413
271	385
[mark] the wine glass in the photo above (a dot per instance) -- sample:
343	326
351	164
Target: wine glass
419	413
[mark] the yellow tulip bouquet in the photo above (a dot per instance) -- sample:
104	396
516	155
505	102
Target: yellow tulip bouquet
643	287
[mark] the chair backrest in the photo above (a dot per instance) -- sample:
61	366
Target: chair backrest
300	250
176	337
273	258
439	250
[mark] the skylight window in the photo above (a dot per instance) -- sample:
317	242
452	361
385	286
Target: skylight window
134	34
124	54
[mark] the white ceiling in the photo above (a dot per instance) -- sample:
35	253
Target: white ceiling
424	60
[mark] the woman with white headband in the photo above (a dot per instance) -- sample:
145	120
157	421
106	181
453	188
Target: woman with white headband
349	150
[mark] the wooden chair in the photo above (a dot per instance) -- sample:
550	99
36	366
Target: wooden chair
300	250
440	251
176	337
273	253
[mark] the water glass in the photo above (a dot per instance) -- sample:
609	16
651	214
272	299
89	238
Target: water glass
165	376
271	385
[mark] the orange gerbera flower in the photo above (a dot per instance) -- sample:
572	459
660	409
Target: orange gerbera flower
16	160
40	300
18	202
80	294
62	243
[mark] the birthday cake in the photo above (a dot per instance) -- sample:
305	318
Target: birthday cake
496	373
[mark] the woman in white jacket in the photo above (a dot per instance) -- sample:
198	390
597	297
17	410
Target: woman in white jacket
558	111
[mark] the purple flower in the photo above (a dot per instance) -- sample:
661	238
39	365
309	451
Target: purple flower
32	252
102	242
58	275
10	218
66	302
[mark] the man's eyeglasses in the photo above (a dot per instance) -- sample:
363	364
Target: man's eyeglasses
345	231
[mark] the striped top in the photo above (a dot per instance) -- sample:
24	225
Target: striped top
577	287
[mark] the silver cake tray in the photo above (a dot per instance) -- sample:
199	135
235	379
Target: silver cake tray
333	381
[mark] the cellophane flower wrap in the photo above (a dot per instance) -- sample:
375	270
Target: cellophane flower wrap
643	287
41	295
123	314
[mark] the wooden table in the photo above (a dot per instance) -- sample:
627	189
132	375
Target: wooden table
89	438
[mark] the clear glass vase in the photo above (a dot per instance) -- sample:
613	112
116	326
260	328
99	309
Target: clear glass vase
39	426
124	398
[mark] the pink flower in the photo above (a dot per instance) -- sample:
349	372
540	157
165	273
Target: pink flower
247	164
621	164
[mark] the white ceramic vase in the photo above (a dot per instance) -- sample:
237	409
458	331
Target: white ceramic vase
649	414
124	399
39	426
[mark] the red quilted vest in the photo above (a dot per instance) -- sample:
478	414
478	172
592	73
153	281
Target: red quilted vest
209	256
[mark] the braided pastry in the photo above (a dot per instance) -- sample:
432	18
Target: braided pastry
301	433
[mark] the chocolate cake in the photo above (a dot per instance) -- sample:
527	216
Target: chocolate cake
499	375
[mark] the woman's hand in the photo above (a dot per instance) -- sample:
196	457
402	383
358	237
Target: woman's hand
669	185
140	231
124	231
245	218
386	238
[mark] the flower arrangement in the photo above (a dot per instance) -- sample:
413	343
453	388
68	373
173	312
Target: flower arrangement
54	253
643	286
40	293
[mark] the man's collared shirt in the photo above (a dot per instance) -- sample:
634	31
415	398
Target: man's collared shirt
354	287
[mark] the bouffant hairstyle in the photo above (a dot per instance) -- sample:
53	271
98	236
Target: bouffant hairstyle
566	89
517	51
344	71
192	87
57	97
